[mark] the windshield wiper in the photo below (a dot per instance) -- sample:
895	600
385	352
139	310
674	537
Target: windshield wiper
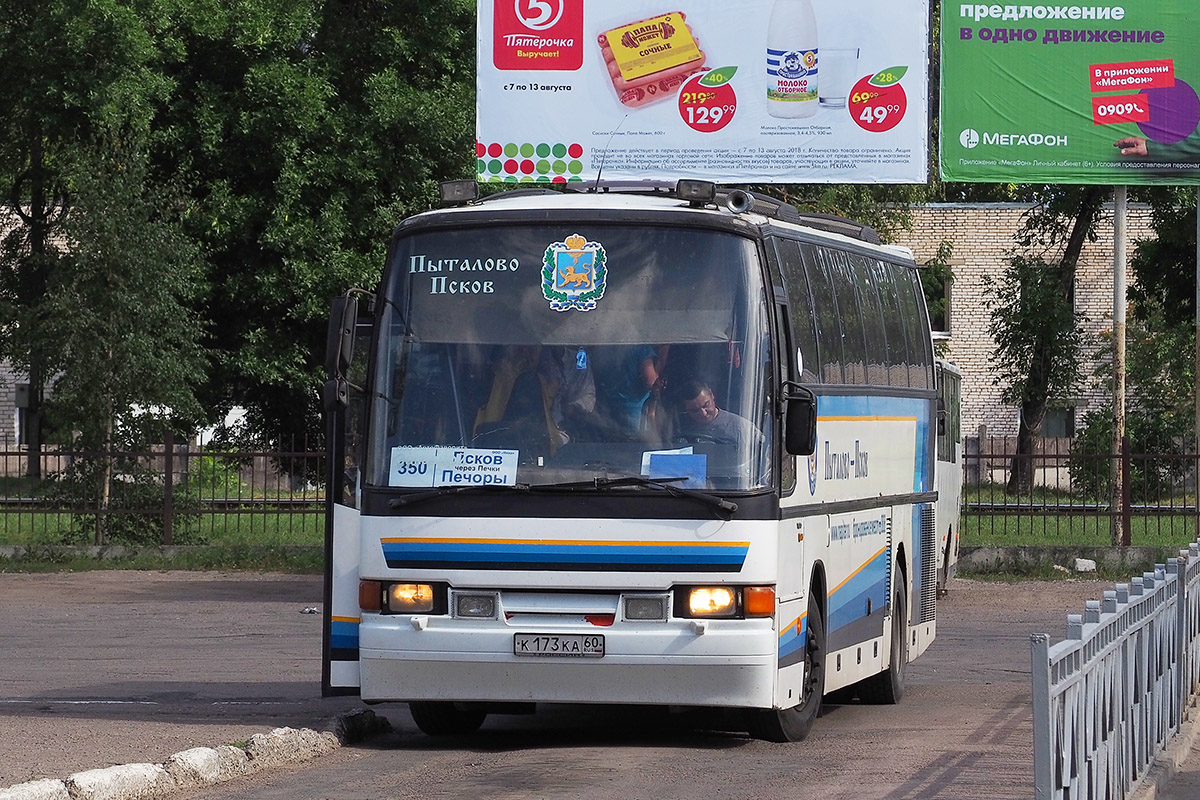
441	491
664	484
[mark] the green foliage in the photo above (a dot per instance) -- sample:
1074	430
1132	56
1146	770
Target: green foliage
1160	378
1039	337
1149	478
1164	266
128	511
213	477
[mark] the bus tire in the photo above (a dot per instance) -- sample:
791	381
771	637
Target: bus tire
793	724
446	719
887	687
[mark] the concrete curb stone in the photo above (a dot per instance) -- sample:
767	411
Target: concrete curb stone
205	766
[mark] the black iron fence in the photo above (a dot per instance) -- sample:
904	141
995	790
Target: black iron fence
170	494
1068	495
187	494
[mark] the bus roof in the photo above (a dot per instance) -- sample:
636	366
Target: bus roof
752	208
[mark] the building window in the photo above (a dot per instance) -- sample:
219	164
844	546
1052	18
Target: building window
937	278
1059	423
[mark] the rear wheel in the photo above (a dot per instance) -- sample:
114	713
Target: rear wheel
887	687
446	719
793	724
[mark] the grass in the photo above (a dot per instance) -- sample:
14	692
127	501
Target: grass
291	539
1094	530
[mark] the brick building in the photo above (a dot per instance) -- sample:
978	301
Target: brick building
983	236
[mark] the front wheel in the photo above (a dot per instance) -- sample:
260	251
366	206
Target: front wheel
446	719
887	687
793	724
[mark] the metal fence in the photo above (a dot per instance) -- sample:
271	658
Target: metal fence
170	494
1070	497
1108	698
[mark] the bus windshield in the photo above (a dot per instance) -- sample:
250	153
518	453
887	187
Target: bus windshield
559	353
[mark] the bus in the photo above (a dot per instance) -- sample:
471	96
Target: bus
670	447
949	468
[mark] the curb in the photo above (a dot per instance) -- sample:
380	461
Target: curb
205	766
1170	761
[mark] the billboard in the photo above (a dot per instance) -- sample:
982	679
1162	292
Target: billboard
1091	93
760	91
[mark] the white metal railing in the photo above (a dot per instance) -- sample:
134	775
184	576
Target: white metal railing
1108	698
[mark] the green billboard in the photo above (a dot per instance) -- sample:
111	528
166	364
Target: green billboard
1088	93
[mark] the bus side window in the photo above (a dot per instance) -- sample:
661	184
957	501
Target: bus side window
916	322
872	319
893	324
800	307
825	314
854	347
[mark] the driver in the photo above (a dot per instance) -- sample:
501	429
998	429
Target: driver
702	418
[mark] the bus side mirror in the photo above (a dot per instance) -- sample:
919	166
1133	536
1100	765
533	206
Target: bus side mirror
941	417
339	341
800	420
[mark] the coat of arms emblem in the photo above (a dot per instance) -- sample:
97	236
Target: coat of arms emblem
574	274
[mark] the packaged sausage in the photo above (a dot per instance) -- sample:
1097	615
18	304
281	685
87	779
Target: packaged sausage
649	60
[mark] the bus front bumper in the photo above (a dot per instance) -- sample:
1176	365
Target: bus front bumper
715	663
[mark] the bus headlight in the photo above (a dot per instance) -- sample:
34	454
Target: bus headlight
405	598
712	601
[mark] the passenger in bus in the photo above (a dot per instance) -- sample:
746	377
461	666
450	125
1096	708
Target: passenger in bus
633	385
566	372
704	420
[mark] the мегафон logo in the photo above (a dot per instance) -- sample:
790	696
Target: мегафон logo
971	138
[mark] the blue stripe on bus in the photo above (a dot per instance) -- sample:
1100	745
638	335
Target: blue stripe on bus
343	635
791	642
583	555
847	604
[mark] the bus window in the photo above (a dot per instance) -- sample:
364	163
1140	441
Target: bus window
893	324
873	322
801	306
916	328
854	349
476	355
825	314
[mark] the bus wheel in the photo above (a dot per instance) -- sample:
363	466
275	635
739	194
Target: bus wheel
887	687
446	719
793	724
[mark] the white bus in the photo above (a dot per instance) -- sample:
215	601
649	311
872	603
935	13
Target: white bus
949	468
660	447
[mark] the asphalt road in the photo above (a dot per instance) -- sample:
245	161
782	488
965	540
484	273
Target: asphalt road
117	667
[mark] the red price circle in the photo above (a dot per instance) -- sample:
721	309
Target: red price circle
706	108
877	108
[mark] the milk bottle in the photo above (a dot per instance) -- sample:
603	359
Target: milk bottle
792	60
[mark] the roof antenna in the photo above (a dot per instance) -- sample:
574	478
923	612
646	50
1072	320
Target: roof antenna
604	154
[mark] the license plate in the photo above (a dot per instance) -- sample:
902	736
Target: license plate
575	645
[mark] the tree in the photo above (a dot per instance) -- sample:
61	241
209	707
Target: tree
118	316
310	129
68	70
1039	341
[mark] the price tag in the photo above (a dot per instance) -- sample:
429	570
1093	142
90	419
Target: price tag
877	103
707	101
